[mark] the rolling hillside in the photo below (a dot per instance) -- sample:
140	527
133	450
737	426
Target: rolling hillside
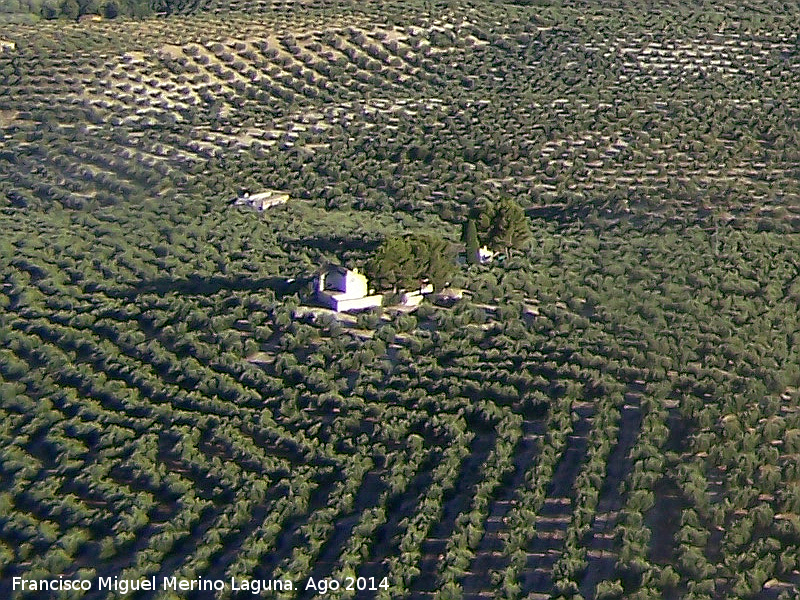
612	413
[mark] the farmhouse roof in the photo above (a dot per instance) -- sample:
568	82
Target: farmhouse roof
332	268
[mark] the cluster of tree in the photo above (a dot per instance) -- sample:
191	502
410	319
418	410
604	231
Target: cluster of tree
501	226
409	261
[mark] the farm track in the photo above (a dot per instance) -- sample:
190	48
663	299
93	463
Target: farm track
664	519
600	543
664	522
476	583
434	546
398	507
553	518
368	495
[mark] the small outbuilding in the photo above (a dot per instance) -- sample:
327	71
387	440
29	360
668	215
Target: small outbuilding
262	200
484	255
415	297
343	289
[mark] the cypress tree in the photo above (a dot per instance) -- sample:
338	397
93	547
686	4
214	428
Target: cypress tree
471	241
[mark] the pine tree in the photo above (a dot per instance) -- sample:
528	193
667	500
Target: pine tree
407	262
502	226
70	9
510	229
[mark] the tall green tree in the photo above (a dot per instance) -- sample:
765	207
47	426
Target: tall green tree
409	261
70	9
471	241
502	225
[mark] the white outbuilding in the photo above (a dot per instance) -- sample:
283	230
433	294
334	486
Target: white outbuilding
344	289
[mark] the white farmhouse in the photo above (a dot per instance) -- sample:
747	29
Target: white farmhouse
342	290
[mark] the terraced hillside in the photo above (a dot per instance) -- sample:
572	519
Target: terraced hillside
612	413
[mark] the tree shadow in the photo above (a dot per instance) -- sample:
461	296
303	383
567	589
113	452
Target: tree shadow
335	243
562	214
196	285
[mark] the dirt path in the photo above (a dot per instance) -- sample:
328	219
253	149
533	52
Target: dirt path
553	519
434	546
601	555
477	584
